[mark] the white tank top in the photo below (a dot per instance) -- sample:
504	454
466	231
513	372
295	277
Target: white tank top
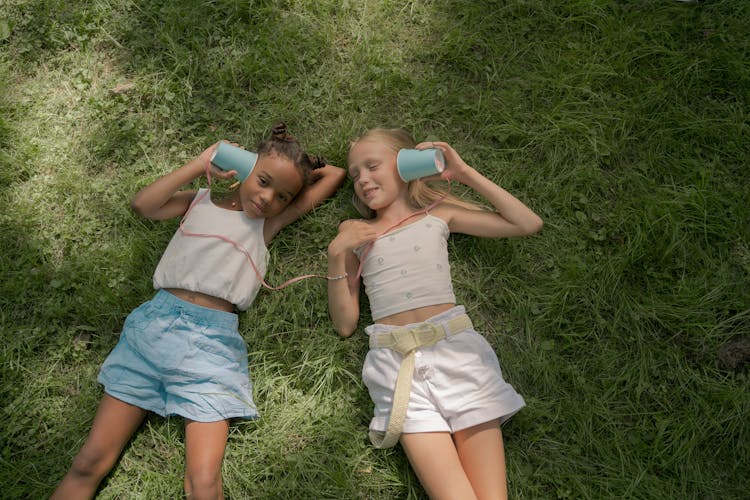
408	268
210	265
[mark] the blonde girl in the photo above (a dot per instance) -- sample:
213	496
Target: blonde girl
436	383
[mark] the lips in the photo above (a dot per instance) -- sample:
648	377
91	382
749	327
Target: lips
257	208
369	192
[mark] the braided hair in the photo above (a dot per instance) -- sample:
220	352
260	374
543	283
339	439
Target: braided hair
284	144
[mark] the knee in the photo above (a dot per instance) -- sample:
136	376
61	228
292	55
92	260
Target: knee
90	464
203	483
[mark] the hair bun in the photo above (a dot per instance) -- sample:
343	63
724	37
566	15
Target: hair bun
278	132
316	161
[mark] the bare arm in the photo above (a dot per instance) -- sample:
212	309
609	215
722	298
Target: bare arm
162	199
511	216
311	196
343	294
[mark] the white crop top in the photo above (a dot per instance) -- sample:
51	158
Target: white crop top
408	268
210	265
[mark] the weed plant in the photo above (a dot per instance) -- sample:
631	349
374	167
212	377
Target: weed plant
624	124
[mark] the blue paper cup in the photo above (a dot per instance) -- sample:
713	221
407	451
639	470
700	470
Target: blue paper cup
415	163
228	157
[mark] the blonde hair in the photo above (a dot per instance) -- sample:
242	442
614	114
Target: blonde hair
420	194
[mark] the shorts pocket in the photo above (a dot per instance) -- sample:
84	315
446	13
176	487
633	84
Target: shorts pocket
475	349
223	347
380	371
139	318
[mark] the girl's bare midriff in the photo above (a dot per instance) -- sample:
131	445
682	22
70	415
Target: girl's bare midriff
201	299
415	315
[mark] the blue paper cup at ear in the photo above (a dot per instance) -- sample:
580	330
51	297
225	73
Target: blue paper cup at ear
415	163
228	157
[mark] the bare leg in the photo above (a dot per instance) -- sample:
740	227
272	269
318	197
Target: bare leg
434	458
114	424
480	449
204	451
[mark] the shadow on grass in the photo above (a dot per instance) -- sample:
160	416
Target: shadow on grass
621	124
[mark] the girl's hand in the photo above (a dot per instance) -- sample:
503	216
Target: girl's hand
343	295
206	156
455	168
352	234
510	218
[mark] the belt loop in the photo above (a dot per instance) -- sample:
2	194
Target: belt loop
446	331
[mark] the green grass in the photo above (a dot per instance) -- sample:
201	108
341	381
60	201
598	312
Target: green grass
622	123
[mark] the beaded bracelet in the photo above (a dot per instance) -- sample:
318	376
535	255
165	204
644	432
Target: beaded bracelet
339	277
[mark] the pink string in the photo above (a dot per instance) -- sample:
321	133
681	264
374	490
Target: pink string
370	245
235	244
244	251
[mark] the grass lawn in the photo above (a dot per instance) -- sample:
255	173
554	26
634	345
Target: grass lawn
624	124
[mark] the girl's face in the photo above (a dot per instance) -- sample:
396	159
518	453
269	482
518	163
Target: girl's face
270	187
372	168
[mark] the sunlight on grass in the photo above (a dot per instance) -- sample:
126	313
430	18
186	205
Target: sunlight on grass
623	124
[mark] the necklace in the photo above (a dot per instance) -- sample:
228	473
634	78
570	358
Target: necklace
234	201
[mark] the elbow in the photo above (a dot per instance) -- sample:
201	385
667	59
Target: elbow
137	206
345	328
140	207
344	332
530	224
535	225
339	175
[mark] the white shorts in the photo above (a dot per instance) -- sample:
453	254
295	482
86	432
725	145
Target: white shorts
457	382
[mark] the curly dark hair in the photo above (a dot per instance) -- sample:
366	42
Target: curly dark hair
284	144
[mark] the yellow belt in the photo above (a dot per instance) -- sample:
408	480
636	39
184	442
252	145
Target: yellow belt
406	341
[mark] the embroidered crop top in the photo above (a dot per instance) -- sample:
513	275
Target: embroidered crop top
210	265
408	268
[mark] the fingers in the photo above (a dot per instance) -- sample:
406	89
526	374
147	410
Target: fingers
433	145
207	156
224	174
359	233
208	152
429	145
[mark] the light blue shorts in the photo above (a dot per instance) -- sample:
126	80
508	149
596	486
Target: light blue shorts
177	358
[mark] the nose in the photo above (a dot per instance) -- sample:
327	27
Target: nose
264	196
363	178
